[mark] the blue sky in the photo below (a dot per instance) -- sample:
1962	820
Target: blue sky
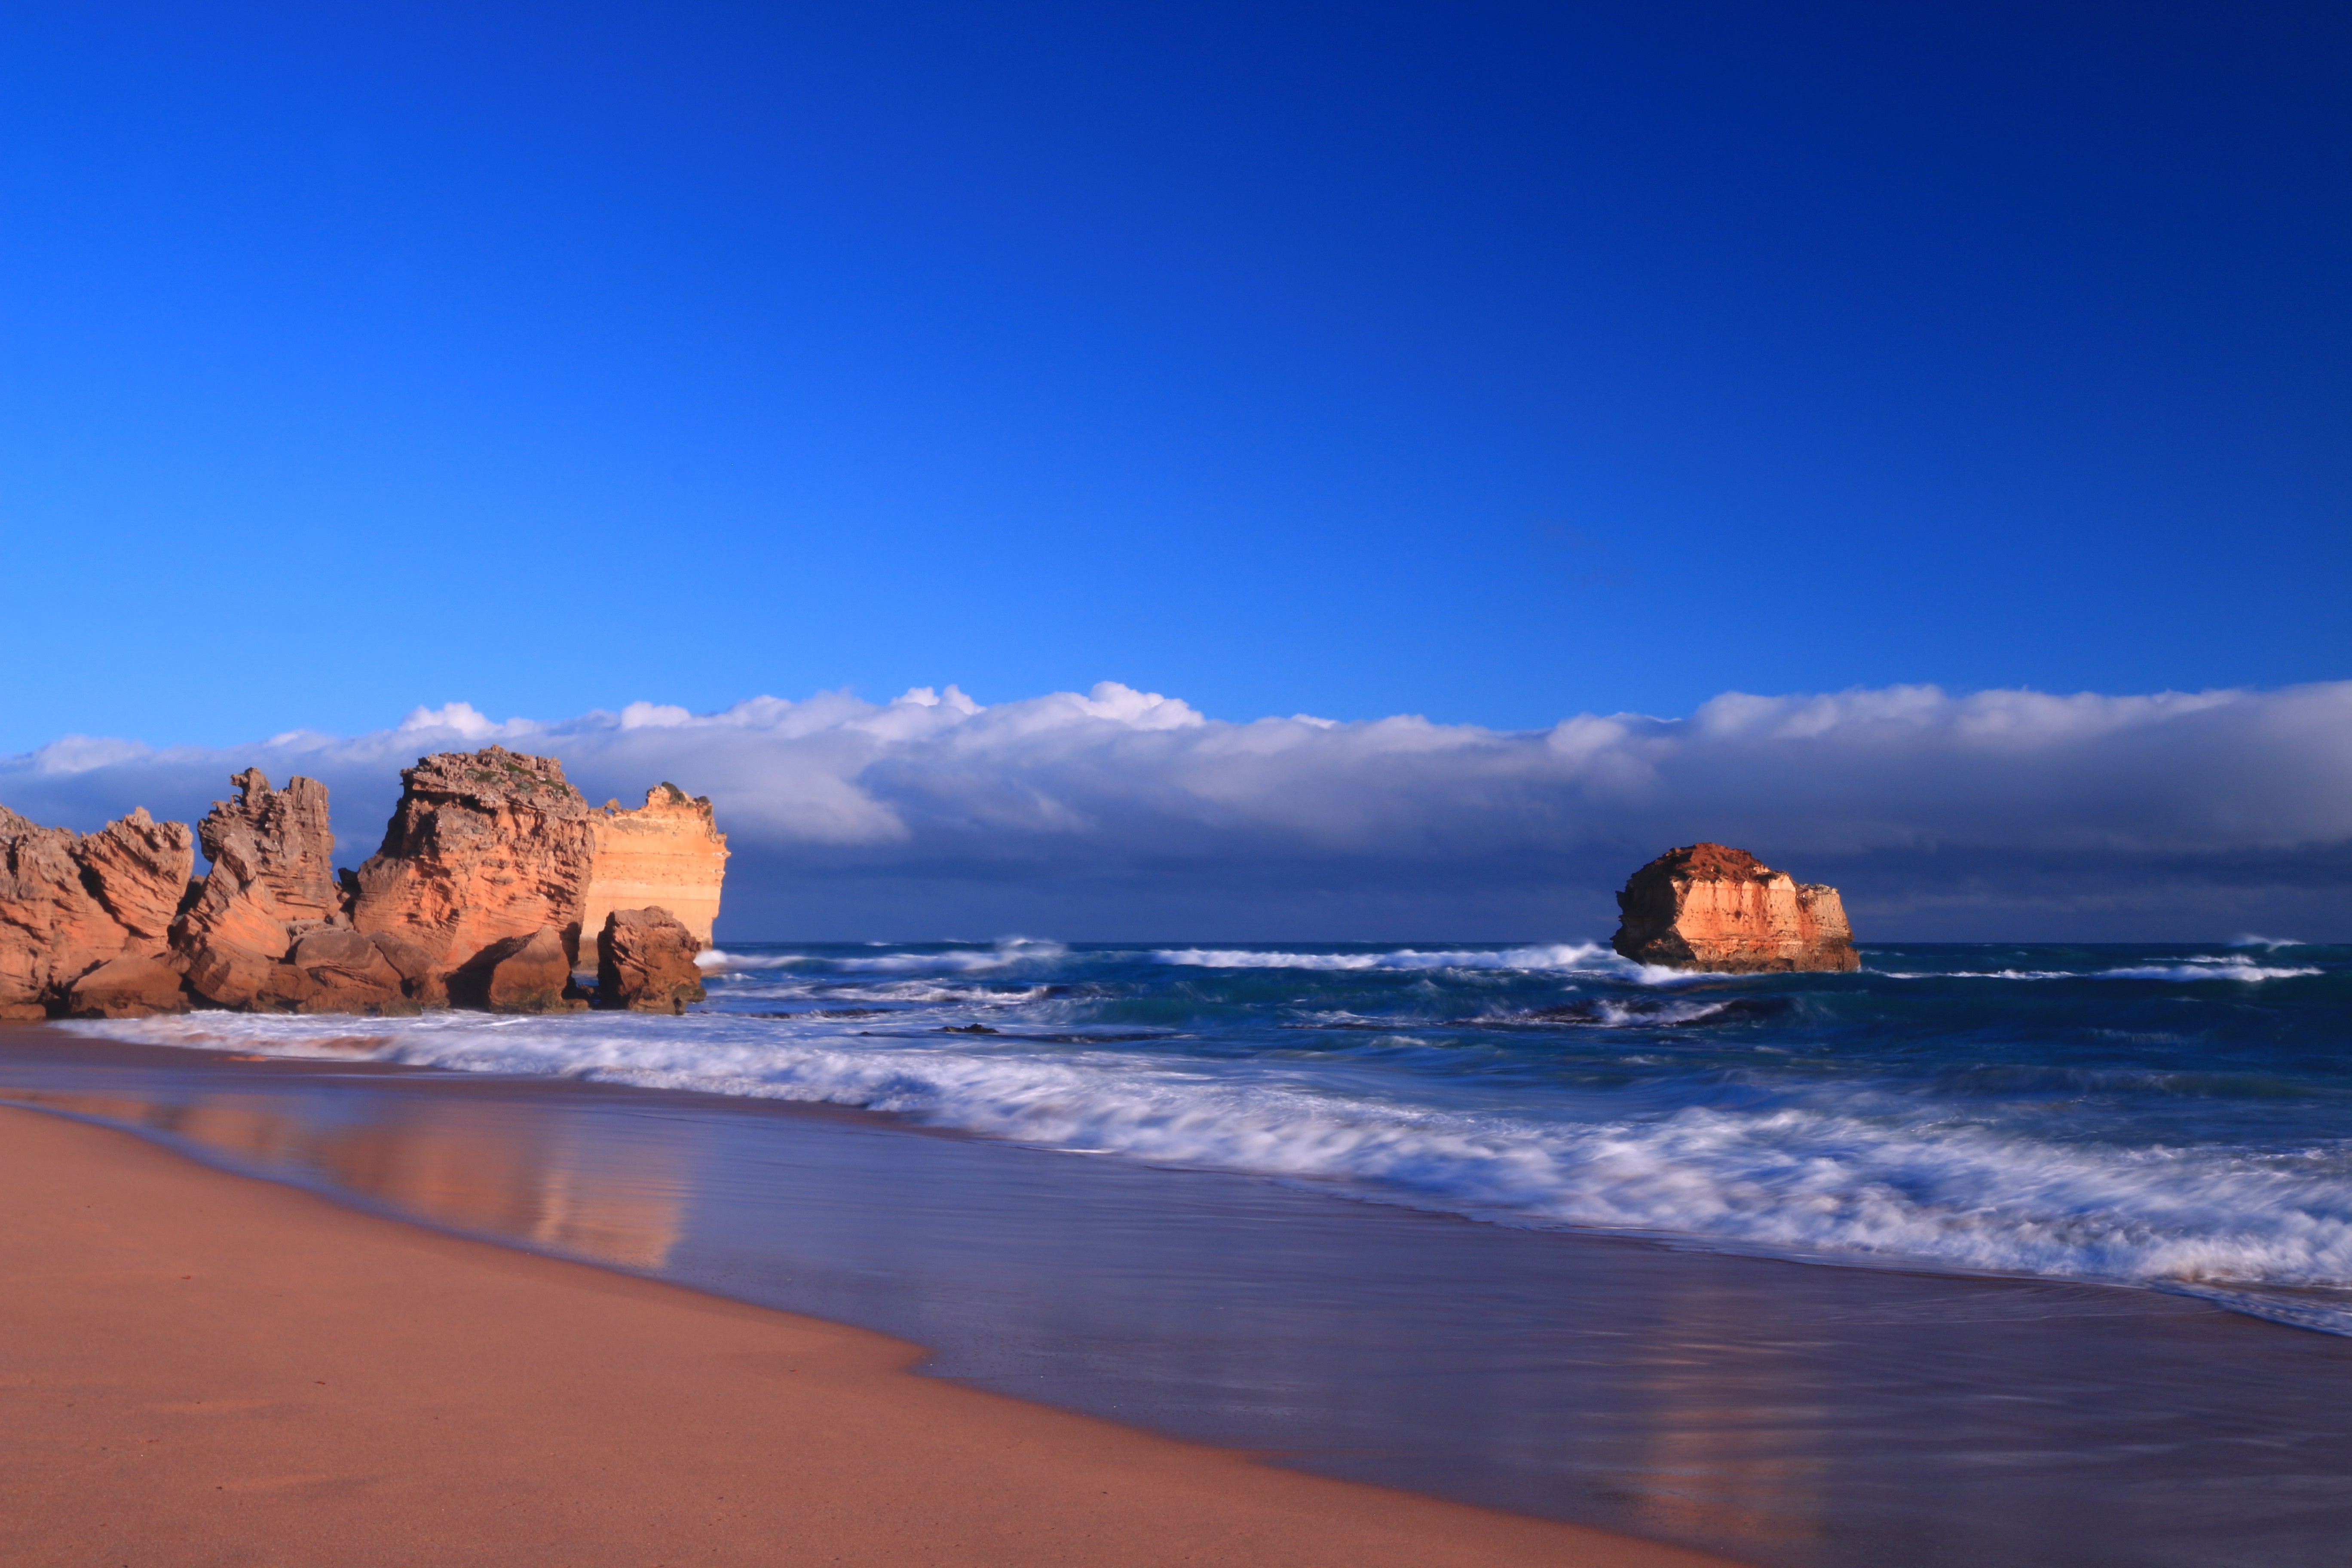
1495	363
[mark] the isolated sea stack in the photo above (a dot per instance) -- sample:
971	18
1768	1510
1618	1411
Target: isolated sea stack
1711	907
490	868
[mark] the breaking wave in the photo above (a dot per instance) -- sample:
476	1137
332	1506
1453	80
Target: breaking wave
2162	1134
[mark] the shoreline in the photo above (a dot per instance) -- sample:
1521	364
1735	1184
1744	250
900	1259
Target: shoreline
204	1363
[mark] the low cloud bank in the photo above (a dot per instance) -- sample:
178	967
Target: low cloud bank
1124	814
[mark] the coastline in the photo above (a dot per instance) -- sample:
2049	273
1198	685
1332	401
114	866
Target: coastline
203	1364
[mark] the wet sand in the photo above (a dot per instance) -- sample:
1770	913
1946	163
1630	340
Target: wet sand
203	1368
1778	1412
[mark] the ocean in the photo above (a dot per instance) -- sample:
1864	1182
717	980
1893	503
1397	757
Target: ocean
1986	1253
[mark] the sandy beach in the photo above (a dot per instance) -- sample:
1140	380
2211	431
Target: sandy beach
203	1368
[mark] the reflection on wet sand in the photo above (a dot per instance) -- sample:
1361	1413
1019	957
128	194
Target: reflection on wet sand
1791	1416
1732	1445
475	1166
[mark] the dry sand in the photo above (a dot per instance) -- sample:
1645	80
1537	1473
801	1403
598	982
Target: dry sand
202	1368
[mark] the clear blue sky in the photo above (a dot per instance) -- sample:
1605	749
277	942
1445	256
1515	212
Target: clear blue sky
1491	363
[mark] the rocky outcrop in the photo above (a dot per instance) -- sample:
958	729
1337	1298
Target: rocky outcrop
132	987
272	878
645	962
476	898
70	903
485	847
269	930
1711	907
525	974
667	854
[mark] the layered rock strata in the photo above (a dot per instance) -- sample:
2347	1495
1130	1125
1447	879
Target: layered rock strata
269	930
644	962
1711	907
70	903
668	854
485	847
476	898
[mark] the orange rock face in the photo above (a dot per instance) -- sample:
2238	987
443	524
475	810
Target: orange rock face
645	962
69	902
130	986
668	854
1711	907
273	872
488	869
529	973
269	932
484	847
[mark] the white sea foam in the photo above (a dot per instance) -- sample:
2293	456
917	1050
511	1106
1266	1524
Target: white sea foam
1565	958
953	961
2204	969
2194	969
1815	1171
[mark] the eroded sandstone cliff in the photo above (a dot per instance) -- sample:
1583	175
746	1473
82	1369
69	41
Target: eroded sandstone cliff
488	869
1711	907
269	930
485	848
70	903
668	854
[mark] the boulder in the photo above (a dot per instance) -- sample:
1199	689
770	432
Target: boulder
421	979
344	971
667	854
70	903
1711	907
132	987
519	974
645	962
484	849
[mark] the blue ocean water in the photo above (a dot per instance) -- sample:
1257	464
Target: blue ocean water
2175	1118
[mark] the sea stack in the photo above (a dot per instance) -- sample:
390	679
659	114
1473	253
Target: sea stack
485	851
493	876
1711	907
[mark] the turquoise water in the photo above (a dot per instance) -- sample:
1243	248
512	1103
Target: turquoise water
2172	1118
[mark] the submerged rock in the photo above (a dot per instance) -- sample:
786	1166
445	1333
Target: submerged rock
1711	907
70	903
645	962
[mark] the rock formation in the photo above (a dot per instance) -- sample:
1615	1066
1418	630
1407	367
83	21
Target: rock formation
476	898
130	986
644	962
269	930
484	848
69	902
1710	907
668	854
525	974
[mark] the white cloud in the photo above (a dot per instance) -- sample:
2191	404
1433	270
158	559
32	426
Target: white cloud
2114	808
